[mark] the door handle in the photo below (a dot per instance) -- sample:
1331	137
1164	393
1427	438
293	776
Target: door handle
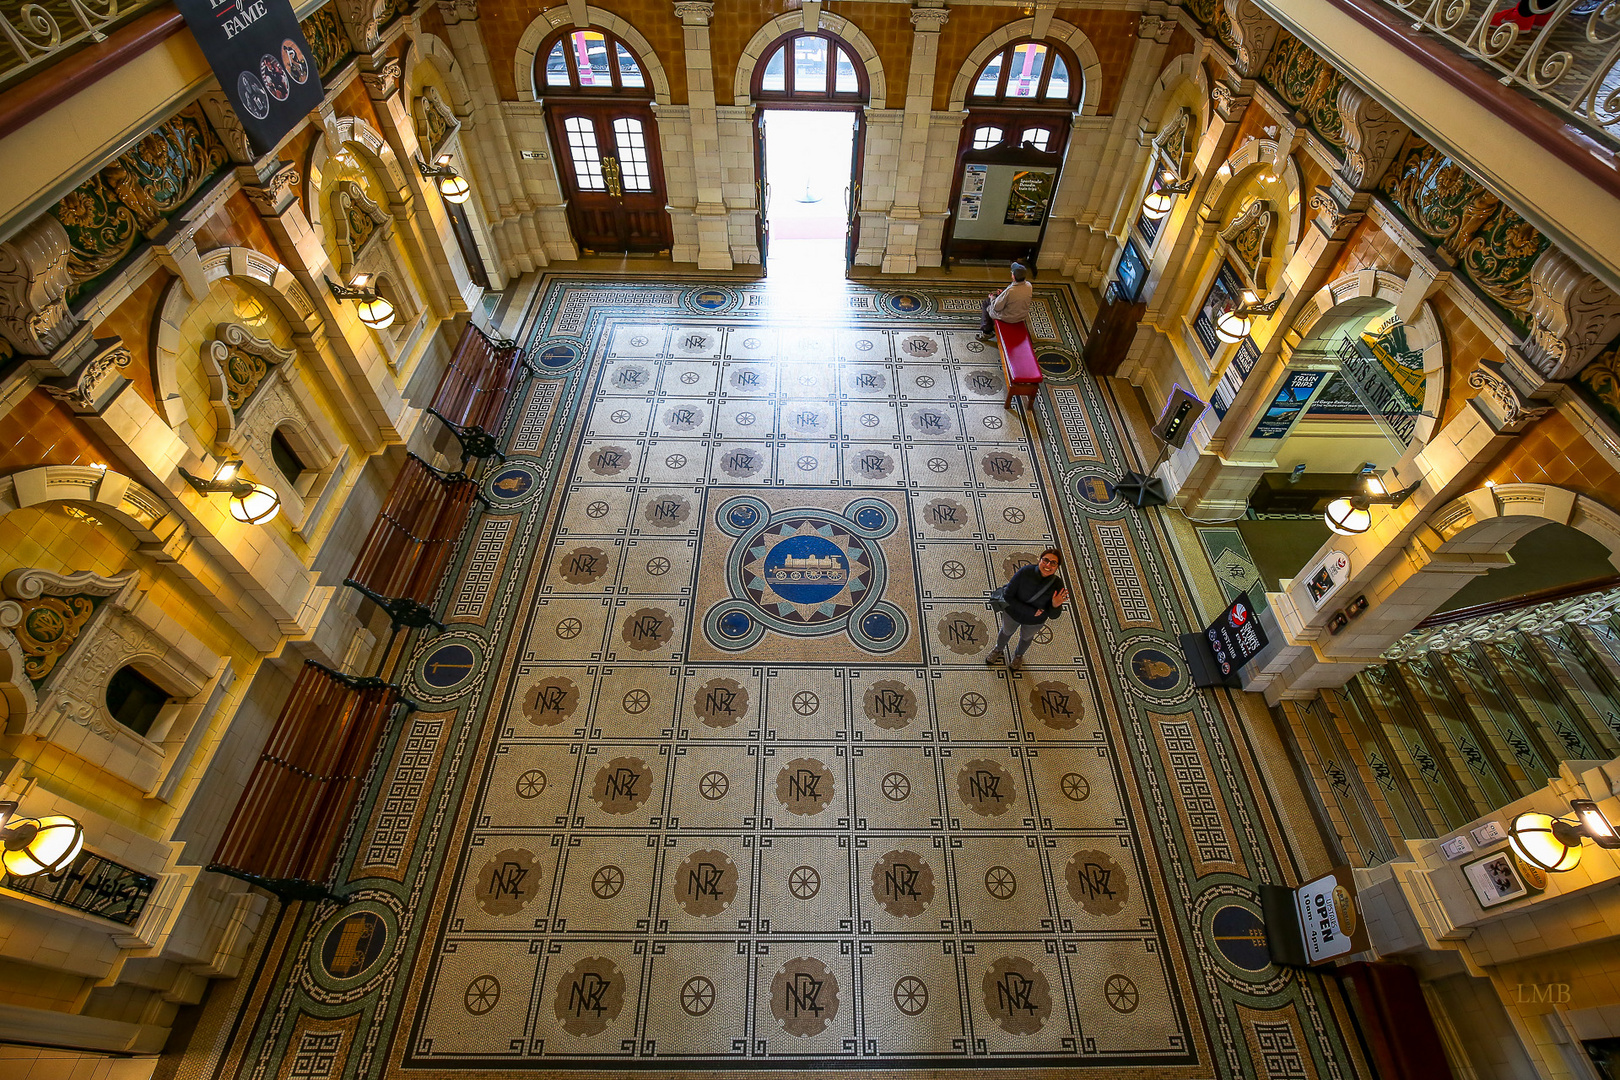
610	176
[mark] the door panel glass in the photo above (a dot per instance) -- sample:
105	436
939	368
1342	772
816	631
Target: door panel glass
582	151
810	63
989	78
1024	74
775	77
629	71
557	67
847	82
1059	86
986	137
632	144
1040	138
591	55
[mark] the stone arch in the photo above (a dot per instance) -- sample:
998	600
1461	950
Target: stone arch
1490	520
1253	155
137	508
555	18
1423	332
430	50
370	147
786	23
267	278
1091	72
1183	69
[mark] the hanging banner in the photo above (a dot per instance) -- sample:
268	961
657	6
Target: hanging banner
261	60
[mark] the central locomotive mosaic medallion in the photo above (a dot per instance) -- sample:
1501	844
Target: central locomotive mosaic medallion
805	571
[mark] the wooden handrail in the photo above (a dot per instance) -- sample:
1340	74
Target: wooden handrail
1523	600
60	81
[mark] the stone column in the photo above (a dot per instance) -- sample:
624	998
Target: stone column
905	210
714	241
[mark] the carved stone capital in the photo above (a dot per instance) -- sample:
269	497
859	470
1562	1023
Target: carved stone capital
1500	401
271	195
359	20
34	316
382	81
1573	316
97	382
1372	137
1228	103
1255	34
1338	209
694	12
929	19
228	126
458	11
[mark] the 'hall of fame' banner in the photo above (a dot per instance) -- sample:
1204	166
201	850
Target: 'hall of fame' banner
262	61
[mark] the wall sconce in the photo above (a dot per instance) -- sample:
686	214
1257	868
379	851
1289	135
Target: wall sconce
375	310
252	504
1233	324
1162	195
452	185
1554	844
31	846
1350	516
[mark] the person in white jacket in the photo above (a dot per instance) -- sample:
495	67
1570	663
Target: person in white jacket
1009	305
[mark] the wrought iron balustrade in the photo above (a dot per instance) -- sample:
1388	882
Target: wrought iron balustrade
94	885
34	33
1585	608
1378	392
1568	59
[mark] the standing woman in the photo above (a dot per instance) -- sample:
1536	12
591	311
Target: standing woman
1034	594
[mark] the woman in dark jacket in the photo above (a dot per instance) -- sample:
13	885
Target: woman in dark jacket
1035	594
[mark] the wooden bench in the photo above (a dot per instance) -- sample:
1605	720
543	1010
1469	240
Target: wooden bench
1018	362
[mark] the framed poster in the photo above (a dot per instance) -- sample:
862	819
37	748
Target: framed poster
1329	574
1292	397
1030	194
1495	879
1225	293
1232	379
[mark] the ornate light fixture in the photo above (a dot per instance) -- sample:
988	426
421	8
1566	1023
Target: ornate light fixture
1162	194
252	504
375	309
31	846
452	185
1554	843
1350	516
1234	324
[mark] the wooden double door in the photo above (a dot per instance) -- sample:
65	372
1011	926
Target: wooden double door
608	160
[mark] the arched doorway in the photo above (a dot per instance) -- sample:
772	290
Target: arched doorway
811	90
605	138
1011	149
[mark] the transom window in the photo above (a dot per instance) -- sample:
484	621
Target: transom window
985	137
816	66
1028	73
593	61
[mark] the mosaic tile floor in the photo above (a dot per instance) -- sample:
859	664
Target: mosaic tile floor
709	772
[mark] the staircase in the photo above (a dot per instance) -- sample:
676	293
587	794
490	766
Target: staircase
1462	718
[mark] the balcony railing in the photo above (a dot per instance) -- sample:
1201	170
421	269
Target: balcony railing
34	34
1547	617
1568	59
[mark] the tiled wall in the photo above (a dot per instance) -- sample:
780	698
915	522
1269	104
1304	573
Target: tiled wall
237	224
132	321
1555	452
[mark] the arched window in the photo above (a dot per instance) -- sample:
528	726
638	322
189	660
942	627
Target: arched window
986	136
134	700
810	67
1028	72
591	62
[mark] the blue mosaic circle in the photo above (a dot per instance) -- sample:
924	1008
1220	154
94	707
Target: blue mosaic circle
557	356
735	624
807	569
447	666
1155	669
879	626
710	300
512	483
1095	489
904	303
870	517
742	517
1240	935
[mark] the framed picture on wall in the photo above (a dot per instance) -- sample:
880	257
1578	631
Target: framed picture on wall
1131	272
1495	879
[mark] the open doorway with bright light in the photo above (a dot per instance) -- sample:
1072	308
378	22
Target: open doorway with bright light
809	157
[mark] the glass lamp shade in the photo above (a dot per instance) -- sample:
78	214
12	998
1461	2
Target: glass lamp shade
41	845
256	507
1347	519
454	188
1231	327
1156	204
376	312
1545	841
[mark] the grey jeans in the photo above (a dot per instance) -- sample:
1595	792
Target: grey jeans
1009	626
